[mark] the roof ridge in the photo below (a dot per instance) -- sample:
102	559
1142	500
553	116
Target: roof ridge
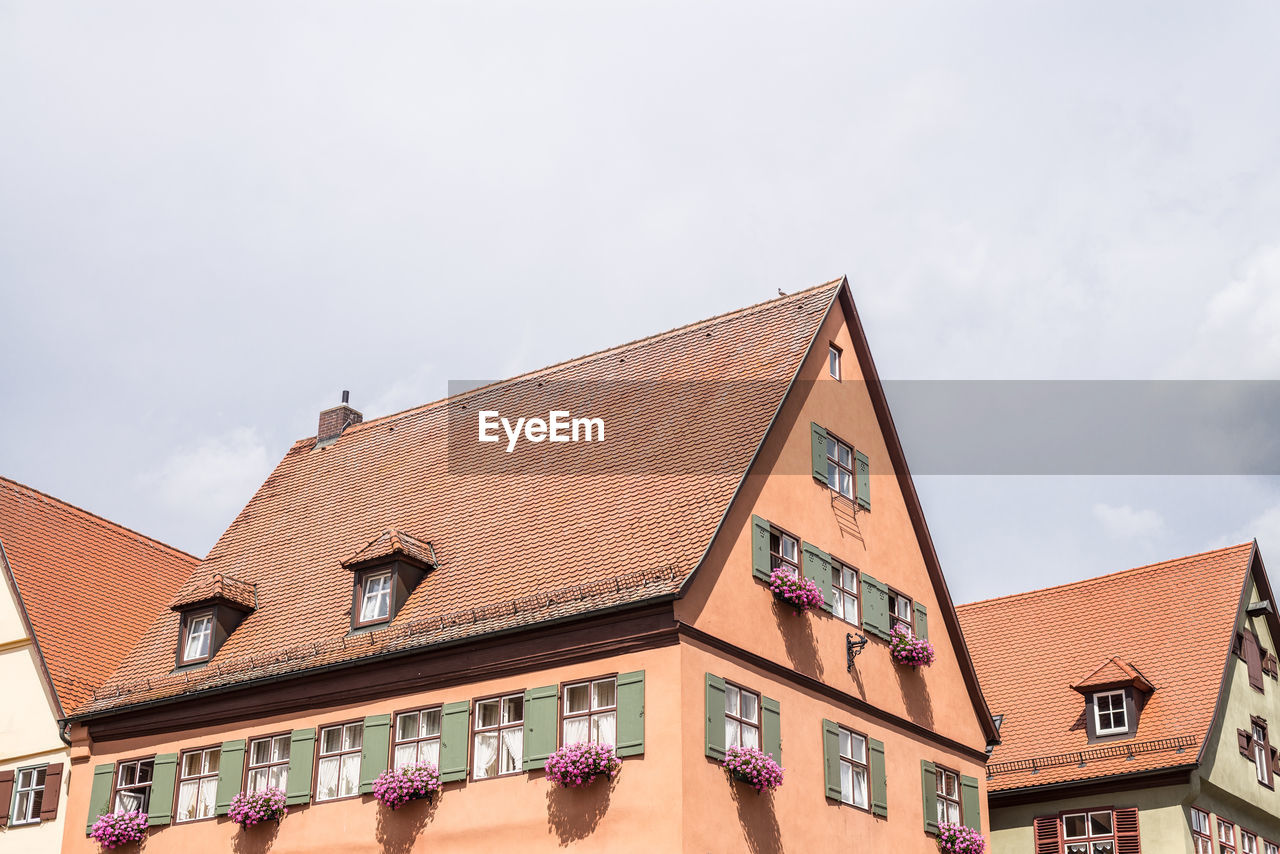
90	516
1100	578
576	359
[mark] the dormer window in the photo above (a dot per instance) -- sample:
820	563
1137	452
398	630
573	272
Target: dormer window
1109	709
375	604
384	574
197	636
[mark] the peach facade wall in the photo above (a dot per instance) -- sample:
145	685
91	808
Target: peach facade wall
726	601
522	812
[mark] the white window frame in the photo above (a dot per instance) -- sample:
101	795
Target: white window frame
597	712
35	795
421	742
380	596
1248	842
141	790
198	783
856	796
1270	847
1260	757
204	622
1097	713
842	471
833	361
948	797
1201	832
736	720
279	755
507	723
347	753
843	597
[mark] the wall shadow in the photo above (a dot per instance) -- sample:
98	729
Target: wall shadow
915	694
574	814
397	830
798	638
758	818
257	839
857	677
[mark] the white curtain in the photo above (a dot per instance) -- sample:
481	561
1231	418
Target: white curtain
187	799
406	754
576	730
512	750
328	785
606	728
486	754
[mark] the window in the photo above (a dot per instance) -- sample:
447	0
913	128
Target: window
338	771
784	550
948	796
1270	848
1226	837
268	763
199	636
1109	713
1260	746
198	784
375	599
418	738
1202	842
839	466
590	712
853	769
499	736
1089	833
900	611
28	796
844	593
1248	843
133	785
833	361
741	717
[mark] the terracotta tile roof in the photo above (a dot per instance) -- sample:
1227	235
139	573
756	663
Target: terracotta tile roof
392	542
216	587
513	547
1113	671
1170	623
91	588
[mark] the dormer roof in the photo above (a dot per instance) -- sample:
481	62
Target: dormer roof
392	543
217	589
1112	673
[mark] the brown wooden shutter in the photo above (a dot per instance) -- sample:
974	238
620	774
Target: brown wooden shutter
52	792
1127	839
6	795
1244	738
1253	658
1046	830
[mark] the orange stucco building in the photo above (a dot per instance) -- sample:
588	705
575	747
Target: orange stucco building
399	573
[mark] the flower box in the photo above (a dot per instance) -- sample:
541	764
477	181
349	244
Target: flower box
799	592
121	828
753	767
248	809
908	649
576	765
958	839
395	787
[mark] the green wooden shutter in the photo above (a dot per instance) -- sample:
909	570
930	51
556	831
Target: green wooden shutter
862	474
302	751
100	795
929	790
879	782
922	621
970	803
875	607
539	725
164	776
817	568
455	719
230	774
376	751
715	717
831	758
819	452
630	713
760	558
771	728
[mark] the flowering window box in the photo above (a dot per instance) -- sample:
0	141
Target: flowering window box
753	767
248	809
958	839
396	787
121	828
794	589
576	765
908	649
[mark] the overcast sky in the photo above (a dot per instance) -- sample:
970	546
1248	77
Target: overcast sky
214	217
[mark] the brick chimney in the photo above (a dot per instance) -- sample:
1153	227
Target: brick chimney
334	421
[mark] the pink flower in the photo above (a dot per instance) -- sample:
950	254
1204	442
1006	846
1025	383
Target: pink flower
116	829
248	809
799	592
958	839
580	764
754	767
395	787
906	648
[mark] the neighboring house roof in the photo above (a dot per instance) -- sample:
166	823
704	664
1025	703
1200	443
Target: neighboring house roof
90	588
1169	625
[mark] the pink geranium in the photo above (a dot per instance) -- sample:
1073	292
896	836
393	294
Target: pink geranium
120	828
395	787
579	764
753	767
906	648
958	839
250	808
799	592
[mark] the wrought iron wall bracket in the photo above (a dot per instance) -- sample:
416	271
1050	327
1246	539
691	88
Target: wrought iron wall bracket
853	647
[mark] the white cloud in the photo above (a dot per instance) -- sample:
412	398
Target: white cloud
216	476
1240	334
1265	528
1125	523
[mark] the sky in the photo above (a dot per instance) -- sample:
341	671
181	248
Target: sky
215	217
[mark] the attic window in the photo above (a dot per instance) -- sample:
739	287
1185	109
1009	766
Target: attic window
384	573
833	361
375	602
197	636
1109	707
208	613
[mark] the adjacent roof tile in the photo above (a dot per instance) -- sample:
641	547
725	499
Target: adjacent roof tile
205	588
392	542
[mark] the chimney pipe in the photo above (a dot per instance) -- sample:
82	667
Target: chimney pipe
346	396
334	421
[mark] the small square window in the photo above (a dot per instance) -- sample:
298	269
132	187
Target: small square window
375	600
28	796
741	717
133	785
269	763
199	636
418	738
784	551
1109	711
590	712
900	611
833	361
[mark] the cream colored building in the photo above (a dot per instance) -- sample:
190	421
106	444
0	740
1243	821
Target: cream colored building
76	592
